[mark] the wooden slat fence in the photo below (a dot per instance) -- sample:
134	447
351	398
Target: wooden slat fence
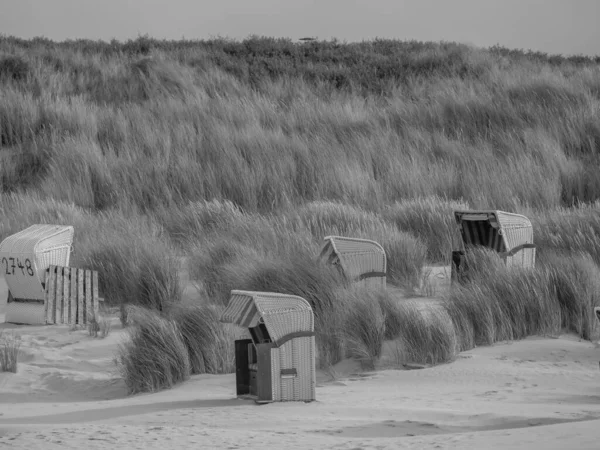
71	295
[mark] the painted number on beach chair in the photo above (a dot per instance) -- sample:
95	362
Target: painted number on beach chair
10	264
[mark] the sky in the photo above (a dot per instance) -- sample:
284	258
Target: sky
552	26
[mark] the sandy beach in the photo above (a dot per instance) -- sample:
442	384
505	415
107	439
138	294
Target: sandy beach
536	393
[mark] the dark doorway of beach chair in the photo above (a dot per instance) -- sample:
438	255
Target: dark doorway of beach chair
360	260
510	235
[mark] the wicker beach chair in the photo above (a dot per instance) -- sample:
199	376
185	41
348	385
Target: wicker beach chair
360	260
510	235
24	258
278	363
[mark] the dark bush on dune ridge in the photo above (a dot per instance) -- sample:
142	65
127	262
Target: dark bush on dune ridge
13	67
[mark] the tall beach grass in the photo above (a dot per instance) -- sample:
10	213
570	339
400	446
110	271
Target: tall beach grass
239	157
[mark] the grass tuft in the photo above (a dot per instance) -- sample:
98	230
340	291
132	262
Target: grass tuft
155	356
210	343
364	326
9	351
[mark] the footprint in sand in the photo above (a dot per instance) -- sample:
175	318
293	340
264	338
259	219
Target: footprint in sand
488	394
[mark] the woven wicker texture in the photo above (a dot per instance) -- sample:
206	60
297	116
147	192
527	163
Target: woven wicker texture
357	257
38	238
43	245
282	314
298	353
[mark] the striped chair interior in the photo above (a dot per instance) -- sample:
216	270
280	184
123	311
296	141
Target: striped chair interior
482	232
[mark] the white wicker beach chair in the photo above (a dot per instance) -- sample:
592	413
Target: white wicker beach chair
24	258
511	235
361	260
278	363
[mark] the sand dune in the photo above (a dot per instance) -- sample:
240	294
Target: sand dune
536	393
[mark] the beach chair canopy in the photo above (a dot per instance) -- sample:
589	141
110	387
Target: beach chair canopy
358	258
502	231
27	254
284	316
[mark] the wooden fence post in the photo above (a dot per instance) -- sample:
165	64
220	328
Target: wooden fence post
51	295
66	295
73	297
88	295
46	297
80	298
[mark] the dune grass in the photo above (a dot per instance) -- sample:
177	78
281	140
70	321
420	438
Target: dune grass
112	128
98	325
431	219
575	278
9	351
210	344
165	348
242	156
364	326
155	356
405	253
425	337
500	304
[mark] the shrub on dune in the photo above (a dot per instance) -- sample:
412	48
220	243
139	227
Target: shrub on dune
431	219
575	279
155	356
210	343
499	303
195	220
313	281
135	264
217	267
14	68
425	336
364	325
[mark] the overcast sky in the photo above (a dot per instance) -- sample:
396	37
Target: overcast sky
553	26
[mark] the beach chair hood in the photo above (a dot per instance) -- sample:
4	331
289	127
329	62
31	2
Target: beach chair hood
359	258
35	249
284	316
